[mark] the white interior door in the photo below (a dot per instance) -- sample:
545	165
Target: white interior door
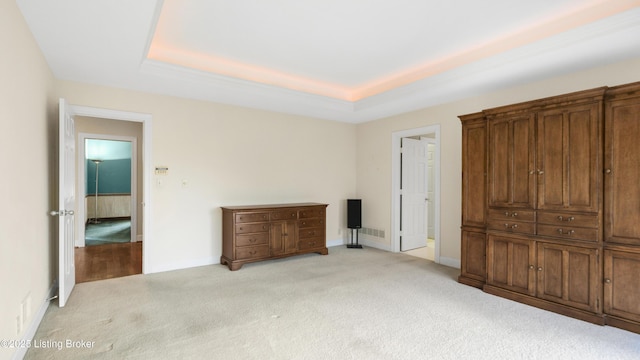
431	188
66	205
414	194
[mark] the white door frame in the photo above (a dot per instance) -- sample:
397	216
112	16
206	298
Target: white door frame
396	142
81	191
146	120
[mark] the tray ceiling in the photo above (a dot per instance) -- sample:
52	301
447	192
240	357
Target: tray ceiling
344	60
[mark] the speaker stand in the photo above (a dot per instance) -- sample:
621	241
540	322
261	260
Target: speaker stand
352	245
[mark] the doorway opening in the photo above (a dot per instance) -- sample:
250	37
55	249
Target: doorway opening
107	186
68	168
416	192
107	245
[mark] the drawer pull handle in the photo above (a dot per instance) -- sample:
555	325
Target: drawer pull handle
570	218
506	213
540	268
531	267
607	281
252	240
570	232
253	252
514	226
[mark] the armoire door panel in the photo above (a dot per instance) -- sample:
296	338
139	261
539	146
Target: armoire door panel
622	171
568	275
523	156
511	161
474	264
499	163
474	165
509	264
622	284
568	159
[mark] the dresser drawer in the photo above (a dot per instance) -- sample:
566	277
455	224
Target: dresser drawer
310	232
310	223
512	215
252	228
251	217
252	252
568	232
252	239
284	215
563	219
310	213
311	243
512	226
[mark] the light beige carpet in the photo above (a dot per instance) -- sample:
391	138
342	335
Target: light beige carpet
351	304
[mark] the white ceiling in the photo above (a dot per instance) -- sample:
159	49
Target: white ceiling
344	60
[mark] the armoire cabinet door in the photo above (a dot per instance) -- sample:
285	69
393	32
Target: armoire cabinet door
622	284
568	275
622	171
474	260
511	161
568	164
474	169
510	264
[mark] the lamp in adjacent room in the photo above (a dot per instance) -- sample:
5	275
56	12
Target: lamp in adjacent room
95	215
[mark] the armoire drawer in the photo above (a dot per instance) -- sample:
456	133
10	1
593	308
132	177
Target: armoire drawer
512	215
559	218
568	232
512	226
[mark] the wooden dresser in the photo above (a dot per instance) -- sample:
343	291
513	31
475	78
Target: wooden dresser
263	232
551	202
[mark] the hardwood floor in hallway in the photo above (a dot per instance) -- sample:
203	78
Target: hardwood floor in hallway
108	261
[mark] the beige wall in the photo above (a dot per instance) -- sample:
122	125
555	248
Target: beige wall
27	148
374	148
228	155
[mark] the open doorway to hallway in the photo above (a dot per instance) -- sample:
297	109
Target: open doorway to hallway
109	241
416	192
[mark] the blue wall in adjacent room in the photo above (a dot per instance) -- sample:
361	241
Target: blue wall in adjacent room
114	175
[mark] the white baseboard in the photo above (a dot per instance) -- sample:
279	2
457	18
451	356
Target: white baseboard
335	242
35	322
374	244
181	265
139	238
450	262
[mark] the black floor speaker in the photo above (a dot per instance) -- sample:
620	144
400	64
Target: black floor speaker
354	220
354	213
